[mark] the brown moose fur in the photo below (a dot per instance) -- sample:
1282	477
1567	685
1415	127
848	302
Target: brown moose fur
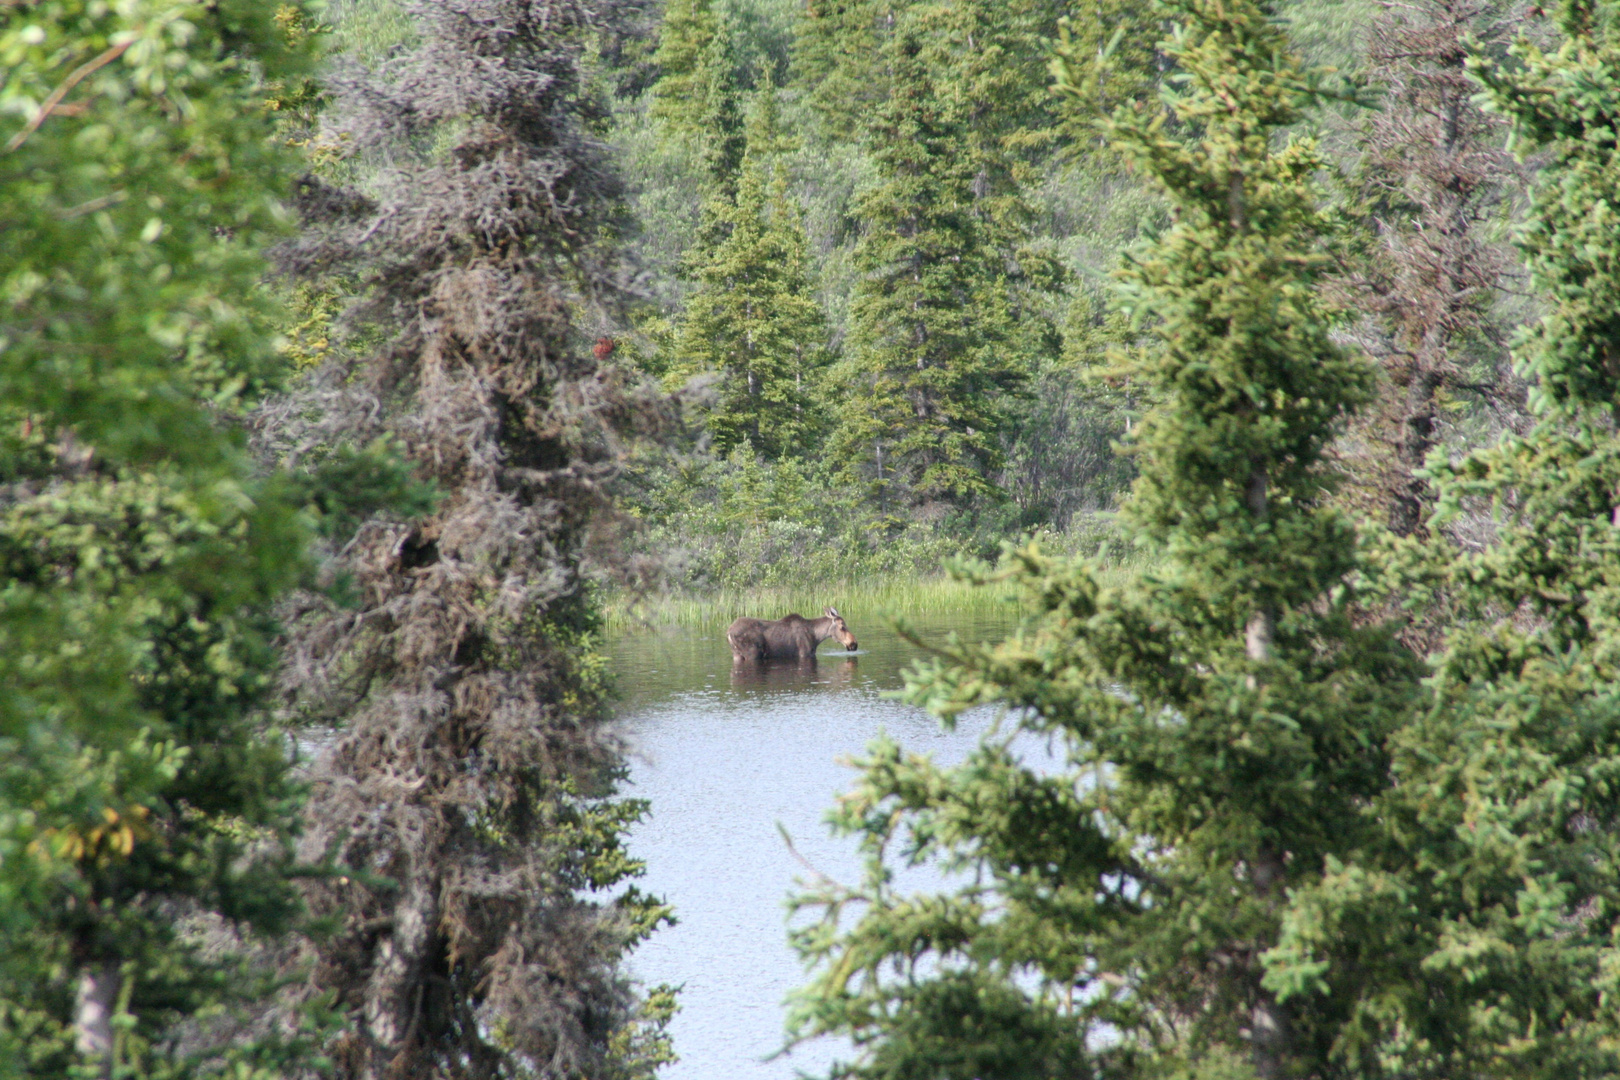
792	637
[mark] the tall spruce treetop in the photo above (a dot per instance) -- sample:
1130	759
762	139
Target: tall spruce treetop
1104	55
839	64
754	318
725	138
680	96
928	369
837	60
1000	69
1221	718
1232	460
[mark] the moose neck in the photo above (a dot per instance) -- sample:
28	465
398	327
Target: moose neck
822	628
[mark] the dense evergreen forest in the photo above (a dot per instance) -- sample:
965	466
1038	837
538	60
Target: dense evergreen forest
349	353
878	270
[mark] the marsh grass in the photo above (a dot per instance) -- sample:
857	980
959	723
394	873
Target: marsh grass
861	602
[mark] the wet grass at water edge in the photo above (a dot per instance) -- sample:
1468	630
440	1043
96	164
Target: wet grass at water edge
861	602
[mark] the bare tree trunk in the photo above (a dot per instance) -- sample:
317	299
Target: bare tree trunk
1270	1028
883	490
1258	634
1262	627
1410	500
1270	1037
95	1002
393	997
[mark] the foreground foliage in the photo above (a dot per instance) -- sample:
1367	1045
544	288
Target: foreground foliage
1278	844
146	808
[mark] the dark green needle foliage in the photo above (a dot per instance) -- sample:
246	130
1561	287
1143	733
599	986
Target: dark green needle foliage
680	97
146	805
1218	723
1478	936
754	320
722	140
929	367
1105	54
724	137
837	60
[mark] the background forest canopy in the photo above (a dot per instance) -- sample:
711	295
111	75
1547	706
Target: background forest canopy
878	244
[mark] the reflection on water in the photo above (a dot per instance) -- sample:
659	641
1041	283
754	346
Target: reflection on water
776	675
725	753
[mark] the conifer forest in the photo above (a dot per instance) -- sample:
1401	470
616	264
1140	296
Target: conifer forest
358	357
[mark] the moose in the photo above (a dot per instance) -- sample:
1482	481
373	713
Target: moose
792	637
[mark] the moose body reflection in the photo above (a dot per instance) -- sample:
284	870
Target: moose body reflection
791	675
792	637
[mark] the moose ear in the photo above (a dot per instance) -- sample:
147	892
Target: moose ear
832	612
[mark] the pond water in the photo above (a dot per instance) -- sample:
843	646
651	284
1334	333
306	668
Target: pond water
725	758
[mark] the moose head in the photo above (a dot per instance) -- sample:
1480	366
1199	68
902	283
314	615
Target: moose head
840	630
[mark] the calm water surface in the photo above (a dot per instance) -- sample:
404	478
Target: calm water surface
724	758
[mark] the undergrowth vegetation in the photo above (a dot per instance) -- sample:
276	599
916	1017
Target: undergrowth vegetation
739	525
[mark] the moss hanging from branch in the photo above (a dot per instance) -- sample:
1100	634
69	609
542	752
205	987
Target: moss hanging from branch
470	785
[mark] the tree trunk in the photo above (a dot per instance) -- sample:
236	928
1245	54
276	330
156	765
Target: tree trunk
1262	625
1269	1035
393	999
1410	501
95	1002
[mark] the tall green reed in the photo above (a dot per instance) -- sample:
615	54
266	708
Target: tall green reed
861	602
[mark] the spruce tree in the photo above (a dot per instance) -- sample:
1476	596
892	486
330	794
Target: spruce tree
479	928
1432	181
1105	55
722	128
1476	934
837	60
754	318
930	359
147	803
680	98
704	114
1000	67
723	140
1220	720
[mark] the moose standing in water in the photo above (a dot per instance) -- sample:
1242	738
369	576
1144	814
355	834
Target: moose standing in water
792	637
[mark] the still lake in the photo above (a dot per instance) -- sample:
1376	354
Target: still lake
724	759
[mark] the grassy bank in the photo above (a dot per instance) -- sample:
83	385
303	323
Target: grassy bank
861	602
873	598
